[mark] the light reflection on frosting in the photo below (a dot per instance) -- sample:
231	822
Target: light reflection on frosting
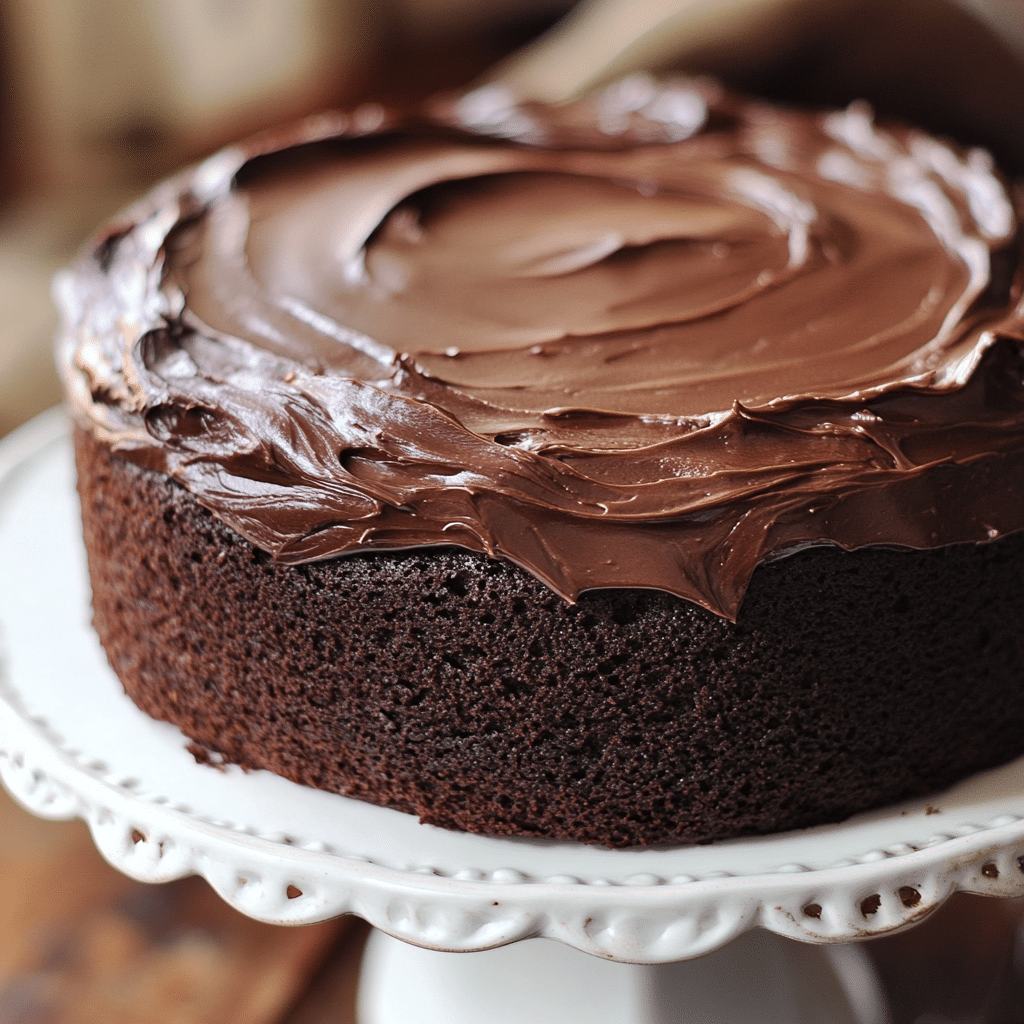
648	339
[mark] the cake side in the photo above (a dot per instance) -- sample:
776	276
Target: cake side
460	688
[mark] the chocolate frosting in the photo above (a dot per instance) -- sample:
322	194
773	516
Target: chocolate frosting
650	338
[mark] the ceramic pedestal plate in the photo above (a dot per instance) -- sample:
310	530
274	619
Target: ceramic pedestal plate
72	745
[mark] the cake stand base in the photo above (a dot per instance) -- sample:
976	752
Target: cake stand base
758	978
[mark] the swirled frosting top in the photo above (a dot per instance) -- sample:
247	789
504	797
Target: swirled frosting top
647	339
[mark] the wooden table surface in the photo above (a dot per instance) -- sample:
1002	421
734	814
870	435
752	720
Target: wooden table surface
81	943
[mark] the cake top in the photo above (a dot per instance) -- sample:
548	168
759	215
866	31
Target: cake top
650	338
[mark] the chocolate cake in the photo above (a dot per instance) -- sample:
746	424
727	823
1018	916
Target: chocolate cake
645	469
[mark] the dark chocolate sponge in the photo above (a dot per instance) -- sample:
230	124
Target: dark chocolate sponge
461	689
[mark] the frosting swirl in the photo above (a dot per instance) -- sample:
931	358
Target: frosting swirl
646	339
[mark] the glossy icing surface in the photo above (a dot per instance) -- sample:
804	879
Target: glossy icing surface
648	339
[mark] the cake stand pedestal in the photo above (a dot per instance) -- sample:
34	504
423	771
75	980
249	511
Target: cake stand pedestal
72	745
758	978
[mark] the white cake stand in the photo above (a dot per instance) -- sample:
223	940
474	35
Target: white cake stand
72	745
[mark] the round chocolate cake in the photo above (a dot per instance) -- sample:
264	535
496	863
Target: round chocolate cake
645	469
